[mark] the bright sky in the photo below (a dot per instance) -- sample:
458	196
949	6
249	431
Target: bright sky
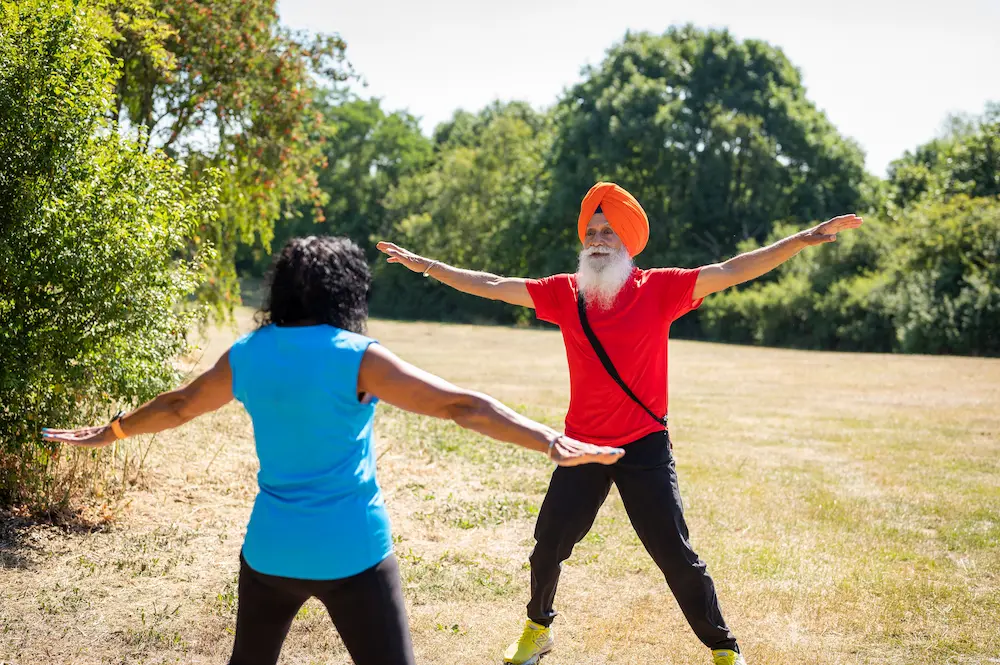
886	72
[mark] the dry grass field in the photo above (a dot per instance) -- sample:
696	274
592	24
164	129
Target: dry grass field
847	505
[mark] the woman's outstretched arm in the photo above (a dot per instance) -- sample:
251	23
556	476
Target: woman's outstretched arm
401	384
208	392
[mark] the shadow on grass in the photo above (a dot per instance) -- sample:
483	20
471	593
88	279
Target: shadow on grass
22	536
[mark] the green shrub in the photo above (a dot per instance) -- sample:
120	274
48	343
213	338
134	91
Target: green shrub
928	282
947	272
91	279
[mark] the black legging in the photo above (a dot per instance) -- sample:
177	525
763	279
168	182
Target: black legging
367	610
647	481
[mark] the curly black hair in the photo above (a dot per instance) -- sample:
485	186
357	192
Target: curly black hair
319	279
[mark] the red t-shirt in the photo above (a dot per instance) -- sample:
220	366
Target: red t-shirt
634	335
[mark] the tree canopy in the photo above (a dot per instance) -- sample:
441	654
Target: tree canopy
714	136
221	84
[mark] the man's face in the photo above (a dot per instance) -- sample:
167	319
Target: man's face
600	235
605	264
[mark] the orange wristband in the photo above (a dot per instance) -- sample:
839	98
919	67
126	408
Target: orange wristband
116	427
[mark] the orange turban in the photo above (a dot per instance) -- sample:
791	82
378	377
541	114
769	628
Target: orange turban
625	215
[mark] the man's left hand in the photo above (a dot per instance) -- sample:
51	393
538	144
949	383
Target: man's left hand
827	231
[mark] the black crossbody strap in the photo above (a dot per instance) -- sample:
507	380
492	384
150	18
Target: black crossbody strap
606	361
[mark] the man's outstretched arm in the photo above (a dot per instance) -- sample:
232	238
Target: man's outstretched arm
751	265
512	290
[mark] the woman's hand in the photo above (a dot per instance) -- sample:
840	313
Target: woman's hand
565	451
85	437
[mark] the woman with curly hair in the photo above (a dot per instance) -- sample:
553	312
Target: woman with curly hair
310	379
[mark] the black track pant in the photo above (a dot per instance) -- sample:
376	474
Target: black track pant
367	610
647	481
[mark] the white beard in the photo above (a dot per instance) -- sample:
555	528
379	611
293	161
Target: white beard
602	273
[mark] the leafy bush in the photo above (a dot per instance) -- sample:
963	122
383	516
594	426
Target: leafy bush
947	273
929	282
93	228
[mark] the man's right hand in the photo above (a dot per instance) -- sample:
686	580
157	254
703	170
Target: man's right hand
397	254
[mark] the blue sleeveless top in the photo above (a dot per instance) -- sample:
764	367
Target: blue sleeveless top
319	512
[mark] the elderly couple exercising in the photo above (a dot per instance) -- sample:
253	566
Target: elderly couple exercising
310	379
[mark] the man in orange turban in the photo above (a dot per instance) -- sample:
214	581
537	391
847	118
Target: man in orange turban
615	319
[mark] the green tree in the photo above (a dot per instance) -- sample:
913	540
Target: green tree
714	136
92	278
965	160
220	84
473	207
367	152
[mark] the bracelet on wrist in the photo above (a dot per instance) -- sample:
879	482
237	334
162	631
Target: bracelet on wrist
116	426
430	265
552	445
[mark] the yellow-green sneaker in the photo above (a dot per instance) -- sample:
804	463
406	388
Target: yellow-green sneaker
536	641
727	657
